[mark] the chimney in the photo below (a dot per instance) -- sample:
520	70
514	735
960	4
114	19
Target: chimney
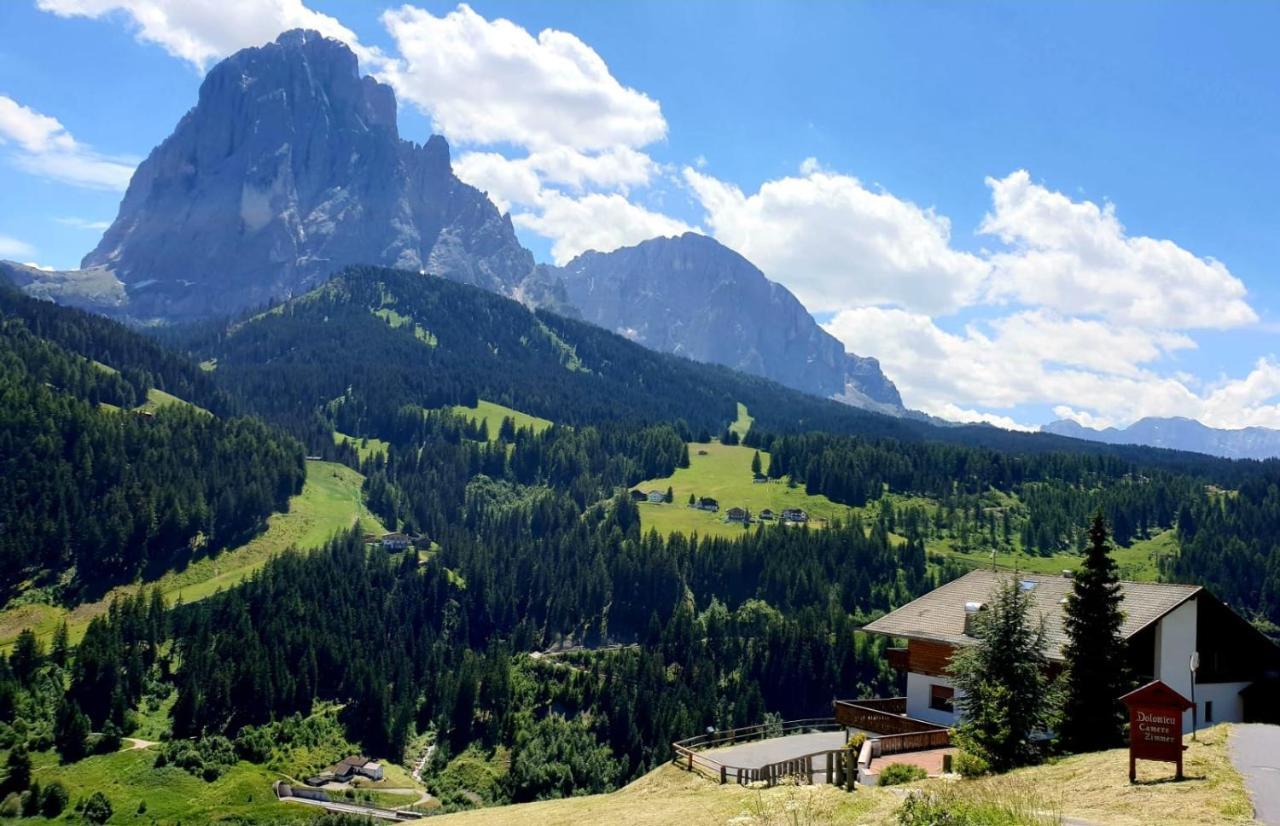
971	612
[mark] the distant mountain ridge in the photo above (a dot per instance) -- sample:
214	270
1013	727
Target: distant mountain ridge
290	168
1178	433
692	296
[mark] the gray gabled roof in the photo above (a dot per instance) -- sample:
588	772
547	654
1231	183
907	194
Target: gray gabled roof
938	616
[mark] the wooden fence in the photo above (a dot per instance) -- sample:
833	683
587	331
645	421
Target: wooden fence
891	731
690	755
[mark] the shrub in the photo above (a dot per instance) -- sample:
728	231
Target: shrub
11	806
978	804
855	742
97	809
896	773
31	801
968	764
53	799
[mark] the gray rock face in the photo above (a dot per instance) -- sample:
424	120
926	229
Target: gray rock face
289	168
693	296
1178	433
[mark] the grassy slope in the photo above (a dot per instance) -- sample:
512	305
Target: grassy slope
158	398
330	501
744	421
668	795
724	472
492	415
172	795
1137	562
374	446
1092	788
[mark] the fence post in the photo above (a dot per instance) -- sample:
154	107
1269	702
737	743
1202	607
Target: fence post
724	774
691	760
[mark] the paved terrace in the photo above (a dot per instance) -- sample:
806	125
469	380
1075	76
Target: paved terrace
814	749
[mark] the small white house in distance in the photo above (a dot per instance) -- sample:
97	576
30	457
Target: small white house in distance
395	542
656	496
1164	624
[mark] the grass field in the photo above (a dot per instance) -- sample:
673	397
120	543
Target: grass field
158	398
744	421
492	415
330	501
172	795
1139	561
371	447
1091	788
724	473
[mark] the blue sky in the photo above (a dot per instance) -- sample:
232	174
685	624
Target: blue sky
855	151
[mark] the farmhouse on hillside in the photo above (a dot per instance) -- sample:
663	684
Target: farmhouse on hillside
767	513
737	515
706	503
657	496
395	542
796	515
1164	624
348	769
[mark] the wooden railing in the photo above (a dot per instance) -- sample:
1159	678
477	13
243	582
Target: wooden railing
895	731
690	754
837	767
891	731
939	738
880	716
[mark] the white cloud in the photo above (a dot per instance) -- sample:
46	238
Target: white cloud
837	244
203	31
43	147
597	221
521	180
1092	372
1075	257
491	82
12	247
84	223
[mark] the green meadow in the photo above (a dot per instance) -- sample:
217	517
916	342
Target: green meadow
723	472
492	415
330	501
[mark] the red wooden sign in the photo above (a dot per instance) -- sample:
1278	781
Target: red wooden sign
1155	725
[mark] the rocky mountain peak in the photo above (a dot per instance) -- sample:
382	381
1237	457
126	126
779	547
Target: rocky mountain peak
694	296
290	167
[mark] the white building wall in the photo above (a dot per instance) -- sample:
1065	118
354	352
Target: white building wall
1175	642
1228	705
918	689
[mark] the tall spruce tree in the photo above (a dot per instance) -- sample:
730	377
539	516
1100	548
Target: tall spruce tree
1096	673
1005	696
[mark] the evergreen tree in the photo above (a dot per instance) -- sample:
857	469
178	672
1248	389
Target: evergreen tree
1005	696
670	495
70	731
17	771
755	463
1096	674
60	651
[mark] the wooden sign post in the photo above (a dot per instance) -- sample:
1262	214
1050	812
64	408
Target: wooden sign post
1155	725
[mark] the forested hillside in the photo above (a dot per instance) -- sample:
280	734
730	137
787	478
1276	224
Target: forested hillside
93	493
536	640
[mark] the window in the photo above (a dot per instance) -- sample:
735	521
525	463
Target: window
1208	711
941	698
